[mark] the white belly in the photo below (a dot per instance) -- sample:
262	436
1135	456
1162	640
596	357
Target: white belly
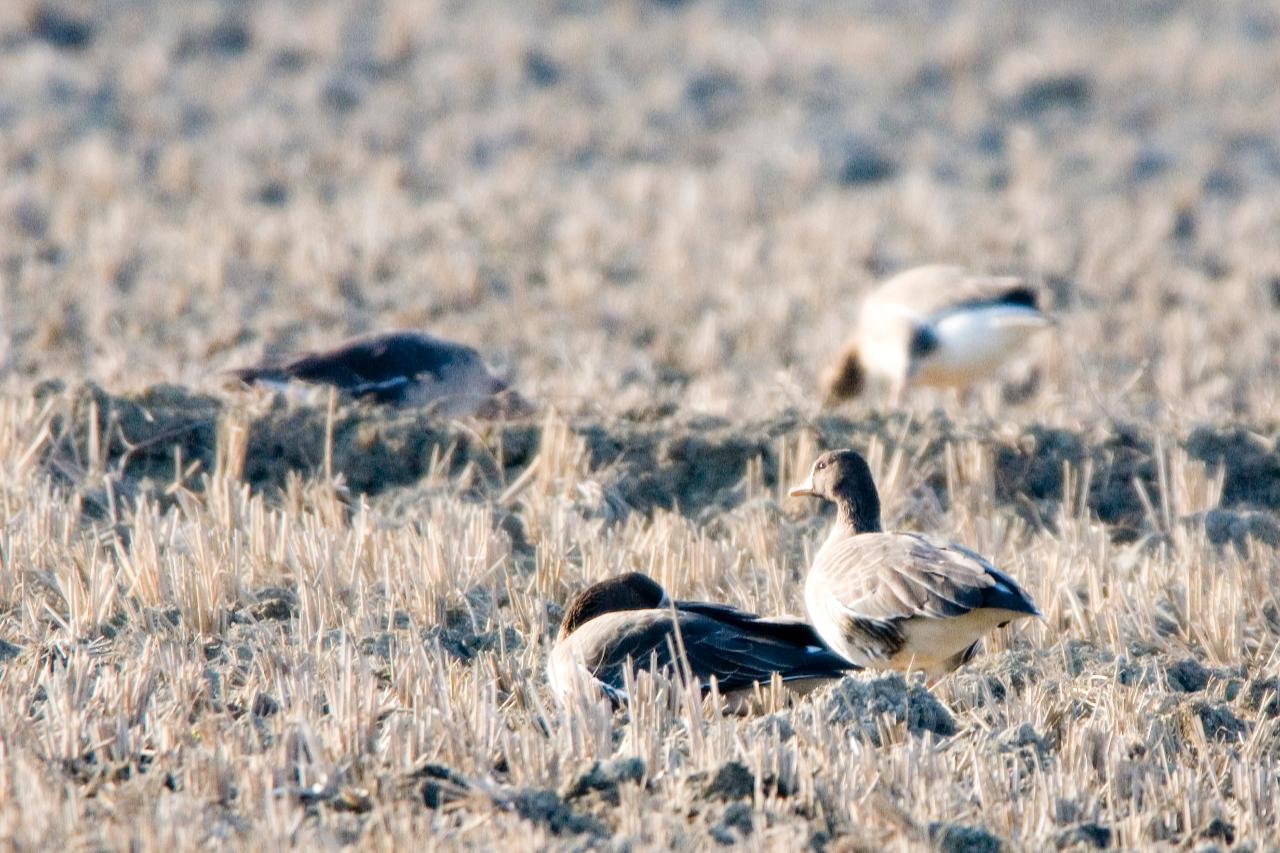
973	343
932	644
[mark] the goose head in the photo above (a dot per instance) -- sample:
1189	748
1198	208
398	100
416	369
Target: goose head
630	591
844	478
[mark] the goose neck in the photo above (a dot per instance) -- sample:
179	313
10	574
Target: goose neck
859	517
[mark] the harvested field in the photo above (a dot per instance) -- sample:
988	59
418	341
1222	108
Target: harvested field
237	620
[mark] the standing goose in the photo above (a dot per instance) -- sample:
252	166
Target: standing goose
935	325
897	600
630	618
401	368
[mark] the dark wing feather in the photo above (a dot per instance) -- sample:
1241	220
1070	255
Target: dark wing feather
377	359
1004	592
739	660
643	642
735	656
782	629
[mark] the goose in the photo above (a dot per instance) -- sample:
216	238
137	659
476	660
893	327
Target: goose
400	368
935	325
629	620
898	601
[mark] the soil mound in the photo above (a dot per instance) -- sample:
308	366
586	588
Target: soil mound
694	465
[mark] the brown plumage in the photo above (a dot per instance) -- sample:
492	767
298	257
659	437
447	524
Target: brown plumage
897	600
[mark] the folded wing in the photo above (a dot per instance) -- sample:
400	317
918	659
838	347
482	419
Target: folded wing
930	290
379	365
736	648
877	583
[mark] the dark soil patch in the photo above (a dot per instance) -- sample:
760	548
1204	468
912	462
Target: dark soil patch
139	436
1219	723
695	465
731	781
1237	527
440	785
60	28
956	838
734	825
1086	835
1263	695
545	808
603	779
8	650
1188	676
1250	459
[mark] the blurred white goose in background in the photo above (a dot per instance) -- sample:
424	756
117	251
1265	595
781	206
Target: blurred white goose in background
935	325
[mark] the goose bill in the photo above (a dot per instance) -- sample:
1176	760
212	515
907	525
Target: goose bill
805	489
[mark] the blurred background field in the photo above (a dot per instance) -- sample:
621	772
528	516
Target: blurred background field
611	198
226	620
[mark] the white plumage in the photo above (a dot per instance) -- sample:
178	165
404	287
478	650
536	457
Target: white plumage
936	325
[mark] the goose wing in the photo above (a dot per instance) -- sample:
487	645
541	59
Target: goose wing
741	657
874	583
938	289
381	359
778	629
737	656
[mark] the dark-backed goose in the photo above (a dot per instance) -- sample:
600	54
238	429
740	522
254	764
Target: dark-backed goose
403	368
629	618
897	600
935	325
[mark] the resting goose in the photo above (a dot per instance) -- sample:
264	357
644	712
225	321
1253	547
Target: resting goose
402	368
630	618
935	325
897	600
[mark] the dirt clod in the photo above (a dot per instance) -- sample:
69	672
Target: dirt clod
274	604
1188	676
865	704
734	824
1088	835
545	808
1263	696
731	781
440	784
603	778
1219	723
1250	461
1024	736
265	705
60	29
958	838
1221	830
1237	527
774	725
